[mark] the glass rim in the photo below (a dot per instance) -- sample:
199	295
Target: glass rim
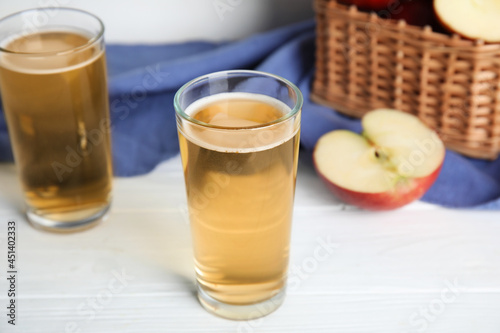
88	44
293	111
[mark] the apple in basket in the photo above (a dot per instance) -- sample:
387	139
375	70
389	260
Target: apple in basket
394	162
473	19
368	4
416	12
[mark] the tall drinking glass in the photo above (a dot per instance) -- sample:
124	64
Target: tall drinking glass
239	142
55	99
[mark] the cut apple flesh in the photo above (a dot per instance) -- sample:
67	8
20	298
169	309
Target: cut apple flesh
409	145
474	19
348	160
395	148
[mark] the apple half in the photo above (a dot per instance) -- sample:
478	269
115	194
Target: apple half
394	162
473	19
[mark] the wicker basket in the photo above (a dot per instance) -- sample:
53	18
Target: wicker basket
365	62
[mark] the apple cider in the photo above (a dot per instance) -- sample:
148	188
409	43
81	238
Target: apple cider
240	193
56	106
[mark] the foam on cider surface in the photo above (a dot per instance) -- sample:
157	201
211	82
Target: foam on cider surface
48	52
244	117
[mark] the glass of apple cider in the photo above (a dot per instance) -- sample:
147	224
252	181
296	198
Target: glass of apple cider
239	142
55	100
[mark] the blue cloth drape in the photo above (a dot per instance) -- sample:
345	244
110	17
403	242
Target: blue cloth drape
144	78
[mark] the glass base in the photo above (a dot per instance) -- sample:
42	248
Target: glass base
240	312
68	221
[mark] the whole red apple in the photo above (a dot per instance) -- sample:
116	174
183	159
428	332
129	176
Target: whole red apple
394	162
416	12
369	5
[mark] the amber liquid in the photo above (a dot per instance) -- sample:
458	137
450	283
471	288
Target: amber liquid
57	113
240	190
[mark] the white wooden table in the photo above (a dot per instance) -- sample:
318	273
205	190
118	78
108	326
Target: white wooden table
418	269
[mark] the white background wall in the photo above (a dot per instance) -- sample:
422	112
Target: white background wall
155	21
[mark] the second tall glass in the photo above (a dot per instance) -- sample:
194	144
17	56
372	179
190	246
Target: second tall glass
55	99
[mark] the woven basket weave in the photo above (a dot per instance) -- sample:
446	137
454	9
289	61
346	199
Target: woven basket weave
364	62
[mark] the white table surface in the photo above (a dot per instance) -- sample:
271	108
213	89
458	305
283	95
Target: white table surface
388	272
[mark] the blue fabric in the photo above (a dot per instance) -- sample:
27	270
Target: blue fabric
144	79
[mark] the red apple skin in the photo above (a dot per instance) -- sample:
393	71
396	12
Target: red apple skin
389	200
416	12
368	4
419	13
